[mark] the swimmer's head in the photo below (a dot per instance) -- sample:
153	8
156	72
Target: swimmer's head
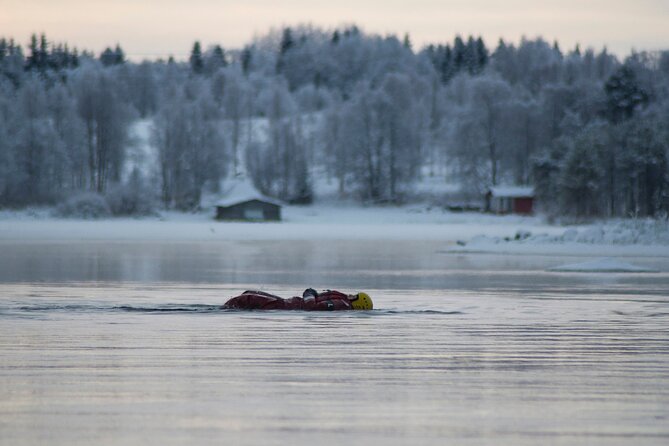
309	293
361	301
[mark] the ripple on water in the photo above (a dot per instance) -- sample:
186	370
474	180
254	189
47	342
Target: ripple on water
126	362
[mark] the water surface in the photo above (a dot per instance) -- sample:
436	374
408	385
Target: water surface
126	344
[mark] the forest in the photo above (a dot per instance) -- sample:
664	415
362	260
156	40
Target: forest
370	113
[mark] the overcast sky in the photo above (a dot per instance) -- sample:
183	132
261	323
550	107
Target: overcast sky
152	28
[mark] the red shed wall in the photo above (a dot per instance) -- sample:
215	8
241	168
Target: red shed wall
523	205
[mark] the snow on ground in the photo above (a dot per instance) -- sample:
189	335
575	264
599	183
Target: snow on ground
612	238
299	223
141	154
452	232
604	265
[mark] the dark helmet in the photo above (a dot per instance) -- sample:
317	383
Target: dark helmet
309	292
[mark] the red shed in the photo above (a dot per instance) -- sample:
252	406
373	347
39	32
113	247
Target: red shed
510	200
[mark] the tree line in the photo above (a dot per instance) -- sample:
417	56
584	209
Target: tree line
369	113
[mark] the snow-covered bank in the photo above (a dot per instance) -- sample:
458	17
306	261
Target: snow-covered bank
605	265
613	238
299	223
452	232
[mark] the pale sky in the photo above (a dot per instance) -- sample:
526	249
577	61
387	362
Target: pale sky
158	28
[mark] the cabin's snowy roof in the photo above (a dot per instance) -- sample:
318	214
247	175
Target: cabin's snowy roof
512	191
241	190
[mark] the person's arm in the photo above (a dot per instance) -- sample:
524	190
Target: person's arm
255	300
331	301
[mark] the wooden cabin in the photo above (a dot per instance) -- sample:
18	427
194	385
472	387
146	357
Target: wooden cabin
243	202
249	210
510	200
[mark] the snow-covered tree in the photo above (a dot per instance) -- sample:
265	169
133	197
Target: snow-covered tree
623	94
191	146
106	120
481	135
368	111
581	177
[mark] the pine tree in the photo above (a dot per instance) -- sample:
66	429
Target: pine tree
352	31
196	62
546	173
623	94
119	55
459	54
287	41
246	59
441	59
108	57
43	53
406	42
447	65
67	57
32	62
482	54
471	62
645	163
74	60
581	178
446	68
219	56
577	50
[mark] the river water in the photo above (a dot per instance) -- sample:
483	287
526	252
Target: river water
125	343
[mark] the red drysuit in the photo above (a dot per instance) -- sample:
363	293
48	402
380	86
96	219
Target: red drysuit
259	300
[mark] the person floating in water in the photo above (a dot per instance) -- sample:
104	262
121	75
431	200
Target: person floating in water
311	300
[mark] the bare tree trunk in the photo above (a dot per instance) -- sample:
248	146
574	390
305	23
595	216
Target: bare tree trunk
91	152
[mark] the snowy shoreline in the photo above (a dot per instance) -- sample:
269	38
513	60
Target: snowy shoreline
455	233
611	238
299	223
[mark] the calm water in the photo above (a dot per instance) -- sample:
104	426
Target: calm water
125	344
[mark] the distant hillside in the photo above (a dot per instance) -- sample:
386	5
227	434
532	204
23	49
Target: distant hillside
312	114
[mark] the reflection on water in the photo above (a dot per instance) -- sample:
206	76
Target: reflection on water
126	344
355	264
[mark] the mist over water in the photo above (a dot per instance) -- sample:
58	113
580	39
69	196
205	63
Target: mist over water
127	344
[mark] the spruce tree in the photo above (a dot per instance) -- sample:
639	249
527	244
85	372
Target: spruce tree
406	42
581	178
108	57
74	59
482	55
623	94
446	68
219	56
471	57
645	164
459	54
66	56
33	58
246	59
287	41
196	62
577	50
43	53
119	55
